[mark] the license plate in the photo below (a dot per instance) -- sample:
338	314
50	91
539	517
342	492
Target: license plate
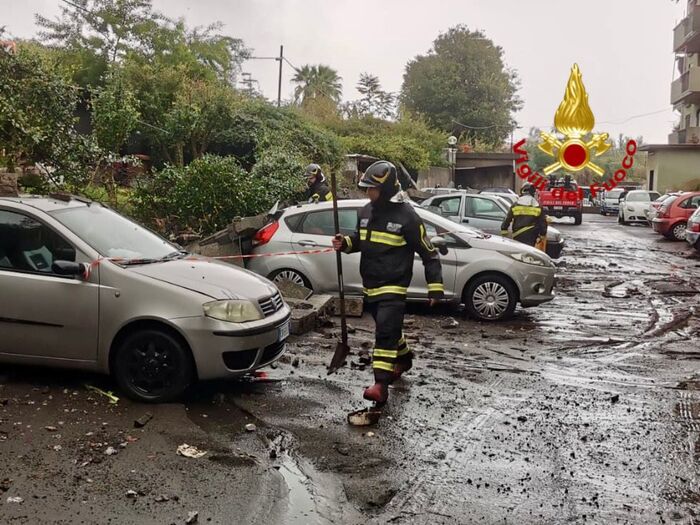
558	207
283	332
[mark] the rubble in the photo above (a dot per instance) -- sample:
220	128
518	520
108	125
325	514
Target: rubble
250	427
192	517
190	451
143	420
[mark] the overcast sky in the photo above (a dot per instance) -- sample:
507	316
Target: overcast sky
624	47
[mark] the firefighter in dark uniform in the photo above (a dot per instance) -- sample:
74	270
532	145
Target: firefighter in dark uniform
528	218
388	234
317	190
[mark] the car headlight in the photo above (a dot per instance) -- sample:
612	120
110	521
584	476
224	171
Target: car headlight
630	208
233	311
527	258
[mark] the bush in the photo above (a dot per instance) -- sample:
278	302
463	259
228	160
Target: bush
209	193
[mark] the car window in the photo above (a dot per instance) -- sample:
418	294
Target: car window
691	202
448	206
653	195
486	208
27	245
637	197
321	222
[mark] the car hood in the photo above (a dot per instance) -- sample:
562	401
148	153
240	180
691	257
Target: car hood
209	277
501	244
639	205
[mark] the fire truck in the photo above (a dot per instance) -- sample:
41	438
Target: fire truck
562	198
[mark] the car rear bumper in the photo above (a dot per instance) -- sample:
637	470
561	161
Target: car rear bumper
661	226
692	238
565	211
222	349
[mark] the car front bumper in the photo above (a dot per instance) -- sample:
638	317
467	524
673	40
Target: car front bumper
660	225
692	239
222	349
536	285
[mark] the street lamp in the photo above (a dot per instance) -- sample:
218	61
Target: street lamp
452	157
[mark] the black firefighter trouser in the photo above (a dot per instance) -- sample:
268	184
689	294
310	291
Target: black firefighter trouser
390	345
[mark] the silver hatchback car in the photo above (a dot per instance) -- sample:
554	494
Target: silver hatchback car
489	274
83	287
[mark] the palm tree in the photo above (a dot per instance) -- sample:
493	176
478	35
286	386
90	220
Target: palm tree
315	82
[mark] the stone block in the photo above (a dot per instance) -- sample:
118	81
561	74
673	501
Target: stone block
290	290
354	306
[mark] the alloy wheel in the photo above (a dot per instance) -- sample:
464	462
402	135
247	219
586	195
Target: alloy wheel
490	300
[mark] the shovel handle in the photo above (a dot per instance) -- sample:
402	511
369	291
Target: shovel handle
339	263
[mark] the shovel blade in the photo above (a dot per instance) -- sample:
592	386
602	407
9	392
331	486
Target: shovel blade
341	353
365	417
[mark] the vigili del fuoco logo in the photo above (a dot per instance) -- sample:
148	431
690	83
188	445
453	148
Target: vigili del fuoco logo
574	148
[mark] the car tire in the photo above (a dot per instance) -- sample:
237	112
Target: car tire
292	275
153	366
499	288
578	219
678	231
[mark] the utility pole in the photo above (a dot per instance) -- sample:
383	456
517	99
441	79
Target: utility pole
279	80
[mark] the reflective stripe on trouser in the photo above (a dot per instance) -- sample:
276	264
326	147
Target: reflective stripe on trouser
390	344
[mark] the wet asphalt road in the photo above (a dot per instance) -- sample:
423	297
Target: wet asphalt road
584	410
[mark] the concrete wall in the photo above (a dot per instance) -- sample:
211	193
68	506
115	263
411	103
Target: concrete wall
433	177
486	177
672	168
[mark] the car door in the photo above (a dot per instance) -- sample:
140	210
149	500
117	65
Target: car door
484	214
449	207
42	314
419	286
316	231
689	206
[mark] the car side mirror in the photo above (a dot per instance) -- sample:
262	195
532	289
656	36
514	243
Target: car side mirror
67	268
441	244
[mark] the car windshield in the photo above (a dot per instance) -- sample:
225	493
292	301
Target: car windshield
112	235
637	197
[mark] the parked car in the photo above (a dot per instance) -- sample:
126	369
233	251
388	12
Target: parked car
504	193
83	287
692	230
674	213
489	274
635	206
655	205
610	202
486	213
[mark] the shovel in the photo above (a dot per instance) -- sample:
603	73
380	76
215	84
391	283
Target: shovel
342	349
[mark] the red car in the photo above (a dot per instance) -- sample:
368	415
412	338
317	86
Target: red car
674	213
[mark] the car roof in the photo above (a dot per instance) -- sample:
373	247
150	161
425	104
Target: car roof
47	204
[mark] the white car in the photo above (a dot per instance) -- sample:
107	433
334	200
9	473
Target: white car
635	206
489	274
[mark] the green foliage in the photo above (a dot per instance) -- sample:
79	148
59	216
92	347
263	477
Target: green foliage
375	101
209	193
314	82
37	118
463	79
114	114
408	141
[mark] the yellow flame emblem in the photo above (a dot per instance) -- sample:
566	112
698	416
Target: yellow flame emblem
574	119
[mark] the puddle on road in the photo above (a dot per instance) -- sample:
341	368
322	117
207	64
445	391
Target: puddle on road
302	508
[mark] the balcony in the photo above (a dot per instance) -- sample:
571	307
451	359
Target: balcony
686	89
685	136
686	35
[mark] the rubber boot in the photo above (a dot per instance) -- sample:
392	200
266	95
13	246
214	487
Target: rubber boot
403	365
379	391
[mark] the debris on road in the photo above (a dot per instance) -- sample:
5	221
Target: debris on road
131	494
111	451
449	323
51	428
250	427
365	417
5	484
190	452
192	517
113	400
15	499
162	498
143	420
614	399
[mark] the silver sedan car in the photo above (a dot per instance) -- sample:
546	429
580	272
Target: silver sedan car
83	287
489	274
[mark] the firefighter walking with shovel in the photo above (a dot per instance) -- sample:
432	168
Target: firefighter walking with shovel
388	234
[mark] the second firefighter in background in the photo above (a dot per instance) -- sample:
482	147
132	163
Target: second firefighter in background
388	234
528	218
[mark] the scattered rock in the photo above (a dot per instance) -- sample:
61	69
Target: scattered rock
162	498
370	434
192	517
614	399
51	428
449	324
15	499
131	494
250	427
522	419
5	484
111	451
342	450
143	420
295	362
190	451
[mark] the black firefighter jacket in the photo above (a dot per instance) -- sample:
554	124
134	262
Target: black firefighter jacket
319	192
529	220
388	236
